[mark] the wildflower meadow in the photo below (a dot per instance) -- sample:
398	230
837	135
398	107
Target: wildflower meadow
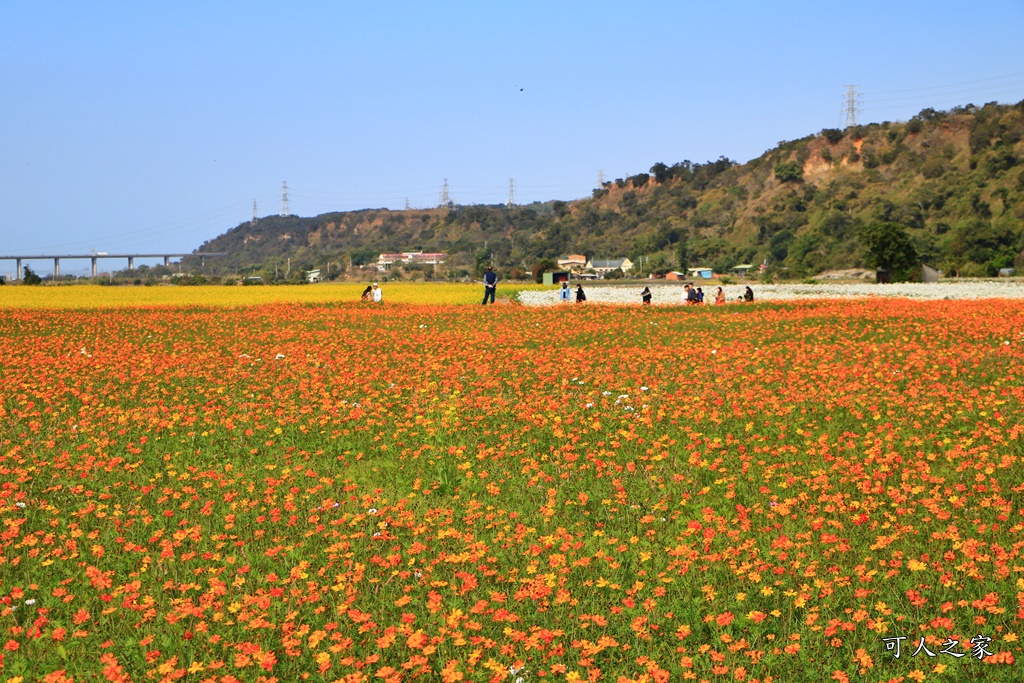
341	491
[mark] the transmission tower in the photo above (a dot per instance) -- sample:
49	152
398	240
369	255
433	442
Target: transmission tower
445	199
850	105
511	192
284	197
600	178
254	215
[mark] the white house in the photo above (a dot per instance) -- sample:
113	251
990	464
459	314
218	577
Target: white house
602	267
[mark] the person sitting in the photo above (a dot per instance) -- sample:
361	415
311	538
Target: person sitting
691	295
645	296
719	296
367	294
748	295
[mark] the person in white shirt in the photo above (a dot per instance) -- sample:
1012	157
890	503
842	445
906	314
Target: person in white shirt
378	295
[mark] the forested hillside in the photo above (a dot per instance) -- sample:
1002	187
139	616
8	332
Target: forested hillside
954	180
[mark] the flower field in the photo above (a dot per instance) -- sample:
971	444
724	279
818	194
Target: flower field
97	296
330	491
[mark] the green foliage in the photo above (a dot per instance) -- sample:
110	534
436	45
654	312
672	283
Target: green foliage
889	247
789	172
541	267
29	277
833	135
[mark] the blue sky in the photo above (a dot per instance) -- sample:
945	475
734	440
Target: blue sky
142	127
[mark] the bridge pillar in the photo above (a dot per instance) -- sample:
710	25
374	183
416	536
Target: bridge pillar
56	267
167	260
18	269
131	263
94	266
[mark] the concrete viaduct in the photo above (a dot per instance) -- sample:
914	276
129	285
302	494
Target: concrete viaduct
95	257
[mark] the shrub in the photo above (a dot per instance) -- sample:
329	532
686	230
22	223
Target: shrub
833	135
789	171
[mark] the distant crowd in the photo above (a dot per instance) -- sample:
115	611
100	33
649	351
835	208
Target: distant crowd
694	295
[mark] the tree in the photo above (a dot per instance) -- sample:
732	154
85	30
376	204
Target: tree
661	172
542	267
30	277
833	135
888	246
789	171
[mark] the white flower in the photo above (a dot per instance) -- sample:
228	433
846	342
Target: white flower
279	356
245	355
714	351
590	405
643	388
372	511
19	504
30	602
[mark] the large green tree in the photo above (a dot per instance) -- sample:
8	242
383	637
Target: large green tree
889	247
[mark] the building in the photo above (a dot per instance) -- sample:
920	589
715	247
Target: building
743	269
385	261
675	275
313	275
555	277
572	262
702	273
603	267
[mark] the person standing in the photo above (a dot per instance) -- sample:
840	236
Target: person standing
563	293
490	284
378	295
580	296
645	296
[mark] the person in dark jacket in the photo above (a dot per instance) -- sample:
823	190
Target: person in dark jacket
580	296
748	295
646	296
490	284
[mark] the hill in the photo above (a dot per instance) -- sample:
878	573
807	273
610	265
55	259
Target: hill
953	179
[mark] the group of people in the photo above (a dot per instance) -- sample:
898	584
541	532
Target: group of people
695	295
373	293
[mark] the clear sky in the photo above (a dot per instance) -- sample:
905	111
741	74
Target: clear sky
152	126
